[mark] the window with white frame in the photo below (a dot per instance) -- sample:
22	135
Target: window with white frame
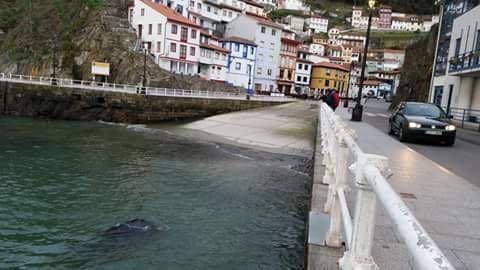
238	66
159	29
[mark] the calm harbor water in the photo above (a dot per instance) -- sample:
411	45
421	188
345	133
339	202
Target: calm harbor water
218	206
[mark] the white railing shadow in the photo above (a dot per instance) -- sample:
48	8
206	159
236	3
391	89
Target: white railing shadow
370	173
135	89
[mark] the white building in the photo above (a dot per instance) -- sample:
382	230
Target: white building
292	5
387	20
460	87
409	23
295	23
318	49
214	14
370	88
317	58
241	61
171	38
180	6
303	70
213	59
391	77
206	14
360	19
267	37
428	22
317	24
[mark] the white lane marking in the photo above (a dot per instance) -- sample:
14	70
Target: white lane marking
377	115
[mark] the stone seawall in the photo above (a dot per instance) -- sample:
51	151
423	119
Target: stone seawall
81	104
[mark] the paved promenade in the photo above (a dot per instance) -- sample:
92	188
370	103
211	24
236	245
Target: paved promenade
447	205
287	128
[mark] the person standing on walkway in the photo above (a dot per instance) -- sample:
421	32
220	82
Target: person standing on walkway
333	99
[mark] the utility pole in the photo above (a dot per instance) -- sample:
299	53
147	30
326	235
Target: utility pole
144	65
352	65
54	60
357	112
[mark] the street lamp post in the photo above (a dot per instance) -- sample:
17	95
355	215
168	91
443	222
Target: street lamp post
54	56
144	82
249	90
357	112
345	104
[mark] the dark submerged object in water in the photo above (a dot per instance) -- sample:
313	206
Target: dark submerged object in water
133	226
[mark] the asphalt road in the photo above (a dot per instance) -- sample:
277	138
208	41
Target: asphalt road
463	159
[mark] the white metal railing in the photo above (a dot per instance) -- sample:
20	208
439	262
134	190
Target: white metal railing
369	173
135	89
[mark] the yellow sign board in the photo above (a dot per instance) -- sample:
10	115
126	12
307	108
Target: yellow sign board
100	68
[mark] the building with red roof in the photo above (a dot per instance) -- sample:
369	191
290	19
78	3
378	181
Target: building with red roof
213	60
327	76
173	40
288	57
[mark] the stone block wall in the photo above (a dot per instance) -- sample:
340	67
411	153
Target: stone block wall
80	104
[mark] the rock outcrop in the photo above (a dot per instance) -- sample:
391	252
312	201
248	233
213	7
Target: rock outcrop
417	70
79	32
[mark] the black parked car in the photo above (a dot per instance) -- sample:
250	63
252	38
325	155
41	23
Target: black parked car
416	120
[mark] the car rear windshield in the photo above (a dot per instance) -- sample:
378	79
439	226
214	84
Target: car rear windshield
427	110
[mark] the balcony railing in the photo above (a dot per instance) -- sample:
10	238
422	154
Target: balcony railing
135	89
465	62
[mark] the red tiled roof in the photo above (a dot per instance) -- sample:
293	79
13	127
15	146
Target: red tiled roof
304	61
331	65
371	82
170	14
288	40
335	47
253	3
239	40
335	58
264	21
303	48
214	47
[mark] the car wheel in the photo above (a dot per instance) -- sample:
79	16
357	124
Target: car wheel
401	135
390	128
450	142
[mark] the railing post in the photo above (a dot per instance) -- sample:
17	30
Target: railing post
359	256
334	234
463	117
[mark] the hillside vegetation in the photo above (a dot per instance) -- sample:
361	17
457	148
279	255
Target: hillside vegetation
80	31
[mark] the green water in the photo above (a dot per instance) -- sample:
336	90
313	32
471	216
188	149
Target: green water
219	207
